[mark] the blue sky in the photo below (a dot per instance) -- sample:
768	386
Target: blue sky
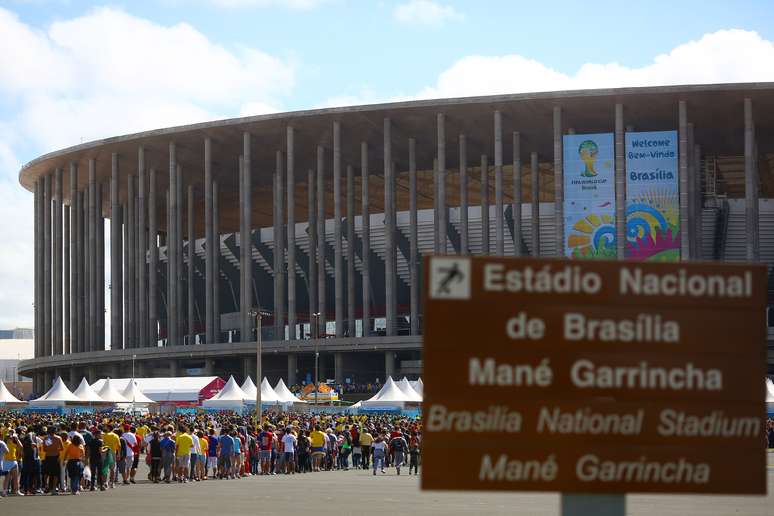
72	71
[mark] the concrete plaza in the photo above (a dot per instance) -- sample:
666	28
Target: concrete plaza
353	493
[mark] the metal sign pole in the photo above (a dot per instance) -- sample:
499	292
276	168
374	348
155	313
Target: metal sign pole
593	505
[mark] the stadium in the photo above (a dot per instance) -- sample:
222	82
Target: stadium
165	253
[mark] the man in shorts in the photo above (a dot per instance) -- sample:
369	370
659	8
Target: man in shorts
289	444
183	446
266	439
52	445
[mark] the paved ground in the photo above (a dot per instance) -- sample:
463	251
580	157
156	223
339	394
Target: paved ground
351	493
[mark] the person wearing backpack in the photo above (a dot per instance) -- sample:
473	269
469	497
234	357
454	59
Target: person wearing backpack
399	448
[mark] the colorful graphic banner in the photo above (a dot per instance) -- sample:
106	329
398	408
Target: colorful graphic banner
652	197
589	196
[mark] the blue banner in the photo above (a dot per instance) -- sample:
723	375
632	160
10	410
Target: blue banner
652	197
589	196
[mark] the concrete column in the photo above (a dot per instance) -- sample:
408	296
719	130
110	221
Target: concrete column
93	290
153	261
86	269
464	238
279	246
750	185
413	240
690	232
179	233
685	250
558	183
279	251
312	221
74	276
81	274
436	210
174	368
127	276
209	238
389	228
38	294
57	265
699	200
209	367
350	252
321	273
484	205
498	157
389	365
66	241
247	244
172	308
131	319
535	171
620	184
338	367
116	334
442	208
142	246
292	367
47	266
99	342
338	262
190	268
216	261
243	236
365	238
291	180
516	201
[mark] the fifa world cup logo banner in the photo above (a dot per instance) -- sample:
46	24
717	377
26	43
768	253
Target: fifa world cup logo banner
589	196
652	197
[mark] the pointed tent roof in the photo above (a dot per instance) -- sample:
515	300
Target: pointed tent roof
408	390
231	392
769	391
110	394
86	393
267	393
58	393
284	393
419	386
389	392
6	398
249	388
133	394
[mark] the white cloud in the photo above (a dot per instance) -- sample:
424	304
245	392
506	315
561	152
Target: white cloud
290	4
101	74
723	56
426	12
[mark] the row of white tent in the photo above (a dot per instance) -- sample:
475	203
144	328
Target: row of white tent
59	395
234	397
395	394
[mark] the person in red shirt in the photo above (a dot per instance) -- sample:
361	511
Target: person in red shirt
266	442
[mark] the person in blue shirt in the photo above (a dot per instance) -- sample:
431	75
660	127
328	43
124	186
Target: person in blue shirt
236	465
212	454
167	455
226	447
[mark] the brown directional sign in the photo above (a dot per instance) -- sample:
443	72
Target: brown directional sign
605	377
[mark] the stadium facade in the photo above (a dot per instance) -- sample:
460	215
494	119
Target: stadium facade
320	219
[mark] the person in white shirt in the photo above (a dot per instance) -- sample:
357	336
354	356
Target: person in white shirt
289	441
195	452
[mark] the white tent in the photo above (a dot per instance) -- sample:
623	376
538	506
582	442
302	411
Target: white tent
85	393
58	396
135	396
284	393
408	390
187	389
419	386
232	397
8	400
249	388
109	393
390	395
268	396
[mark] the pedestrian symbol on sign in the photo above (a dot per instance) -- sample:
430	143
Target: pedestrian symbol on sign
450	278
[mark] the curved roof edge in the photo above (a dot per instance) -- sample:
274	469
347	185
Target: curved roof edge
547	95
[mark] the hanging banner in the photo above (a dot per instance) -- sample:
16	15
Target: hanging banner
589	196
652	197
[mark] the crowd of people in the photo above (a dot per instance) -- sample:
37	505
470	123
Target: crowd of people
46	454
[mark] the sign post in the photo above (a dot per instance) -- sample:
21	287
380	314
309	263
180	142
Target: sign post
594	378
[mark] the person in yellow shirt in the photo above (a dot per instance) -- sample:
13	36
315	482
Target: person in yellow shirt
366	440
112	442
318	439
183	445
11	462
